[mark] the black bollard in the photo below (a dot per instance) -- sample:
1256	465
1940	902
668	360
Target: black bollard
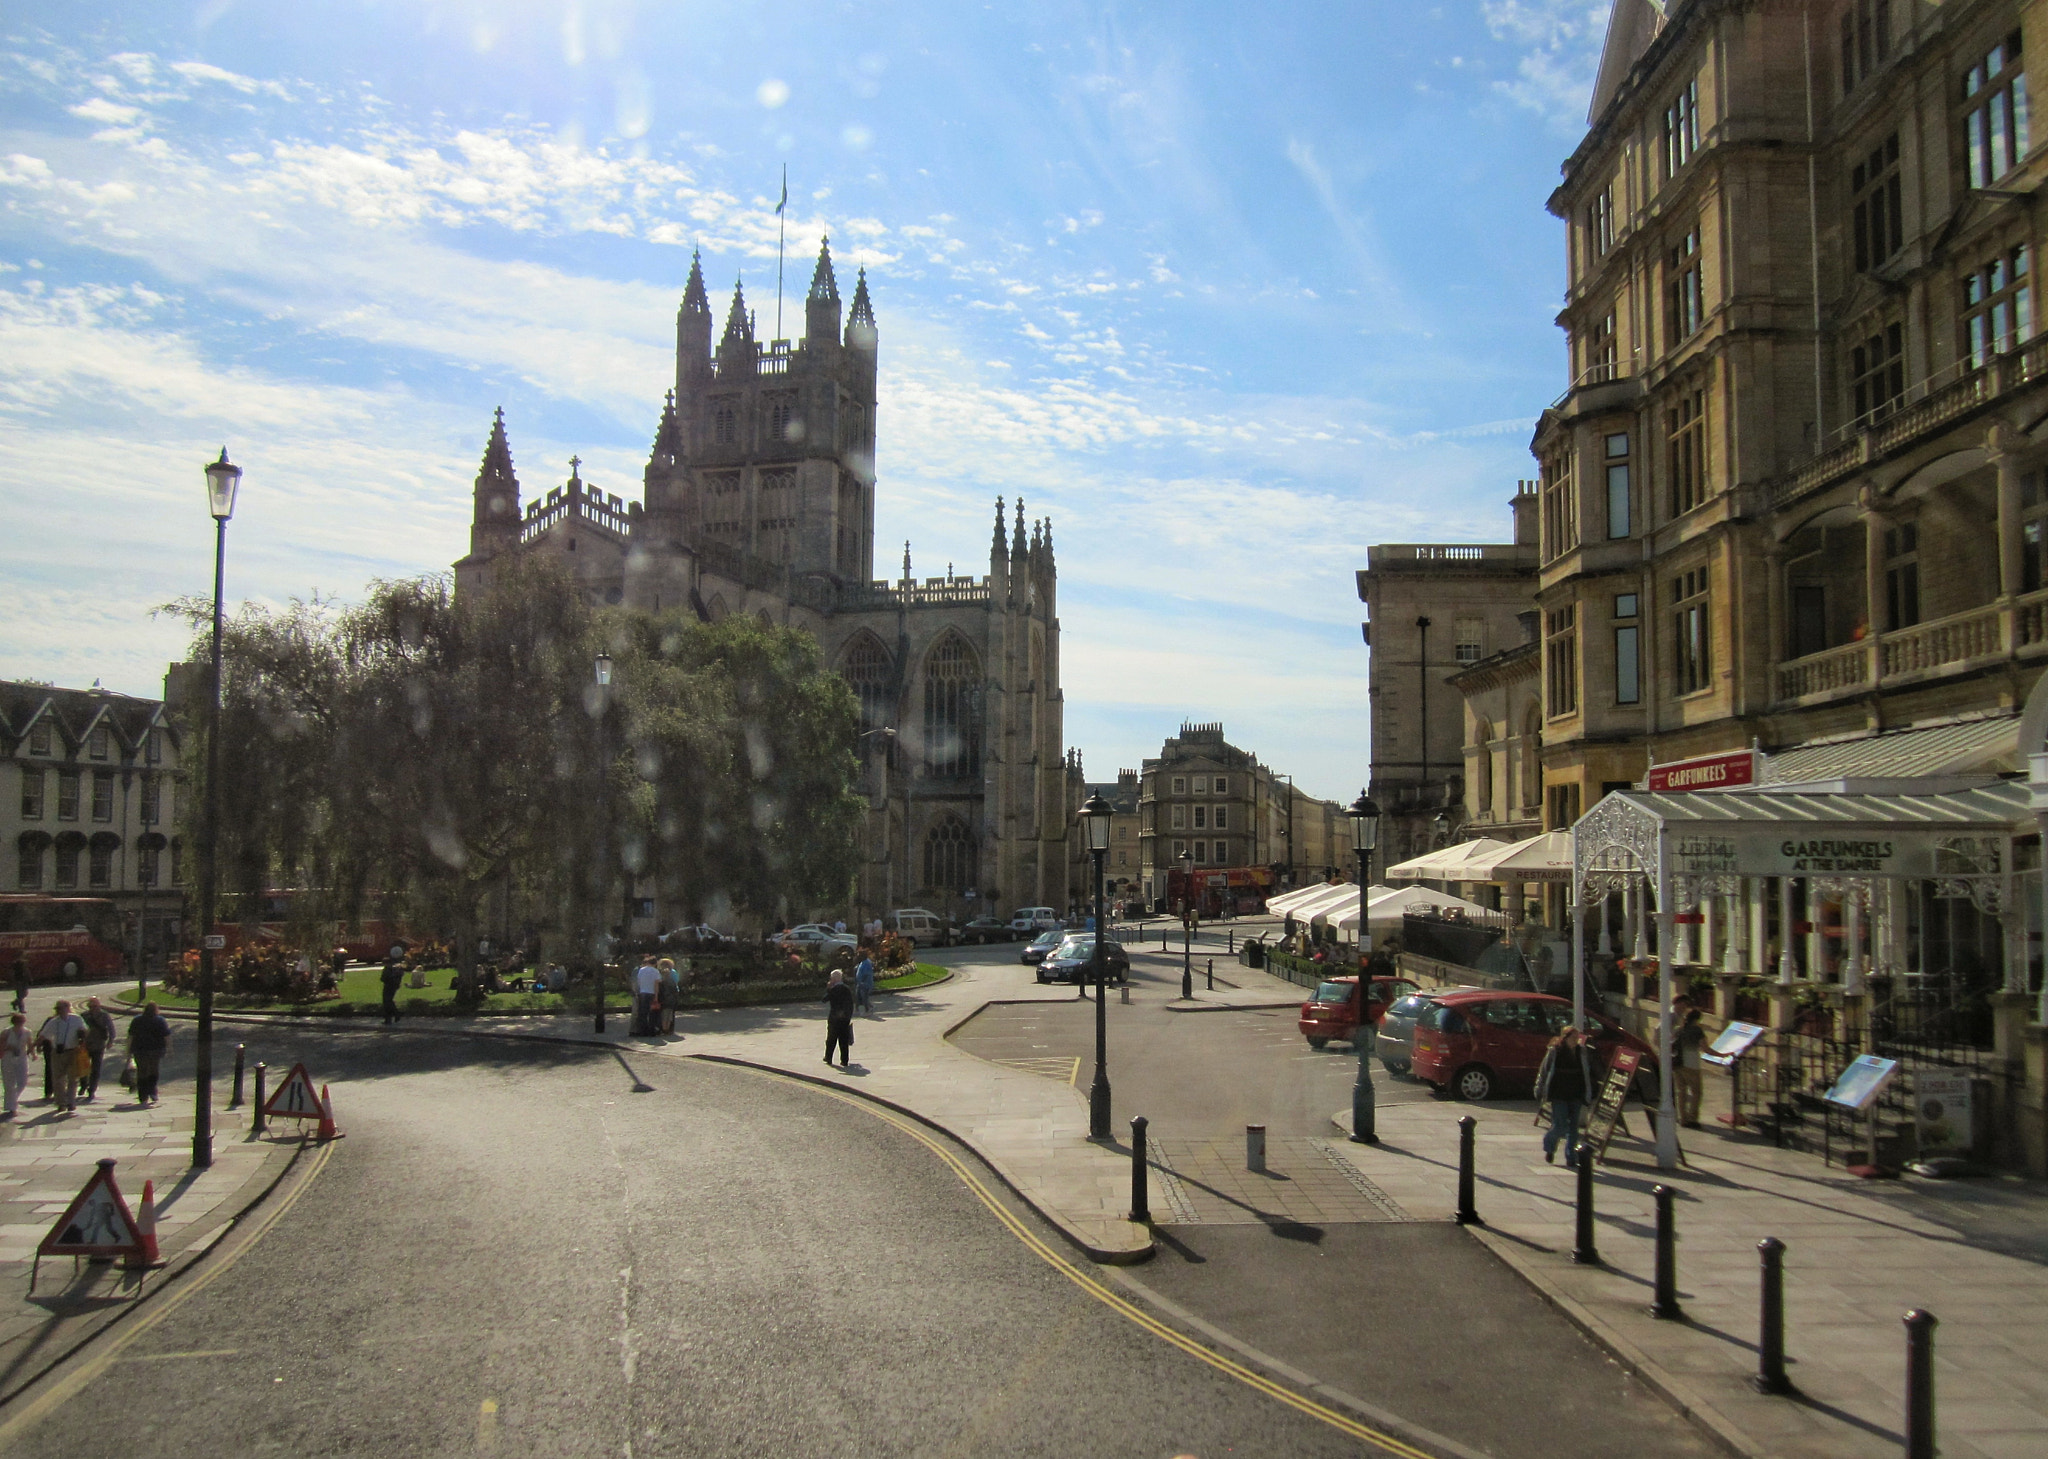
1468	1210
1233	939
1212	975
235	1099
1666	1305
1920	1384
1141	1207
256	1112
1770	1347
1583	1250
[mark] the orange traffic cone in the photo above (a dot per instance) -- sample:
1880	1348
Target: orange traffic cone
327	1131
145	1253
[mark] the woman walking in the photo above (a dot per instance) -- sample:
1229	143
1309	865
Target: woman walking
15	1046
1566	1083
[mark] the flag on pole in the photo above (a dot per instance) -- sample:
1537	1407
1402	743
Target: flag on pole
785	190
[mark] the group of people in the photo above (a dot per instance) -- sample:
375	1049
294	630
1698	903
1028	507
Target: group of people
73	1049
843	1001
657	989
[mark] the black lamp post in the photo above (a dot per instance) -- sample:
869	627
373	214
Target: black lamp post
1365	834
223	477
604	828
1187	924
1095	815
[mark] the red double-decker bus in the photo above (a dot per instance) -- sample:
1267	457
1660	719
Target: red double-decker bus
62	939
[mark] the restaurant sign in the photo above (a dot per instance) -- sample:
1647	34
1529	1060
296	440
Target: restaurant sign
1708	772
1808	852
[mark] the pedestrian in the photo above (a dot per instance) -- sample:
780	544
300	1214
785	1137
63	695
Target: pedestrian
393	979
63	1039
20	984
99	1036
149	1034
646	993
864	984
1687	1041
1566	1083
671	993
15	1047
838	1019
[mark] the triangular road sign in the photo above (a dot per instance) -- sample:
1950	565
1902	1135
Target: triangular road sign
295	1098
97	1222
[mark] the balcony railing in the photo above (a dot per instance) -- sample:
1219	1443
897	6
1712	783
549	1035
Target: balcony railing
1954	644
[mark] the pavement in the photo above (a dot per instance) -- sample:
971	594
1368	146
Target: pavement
1859	1255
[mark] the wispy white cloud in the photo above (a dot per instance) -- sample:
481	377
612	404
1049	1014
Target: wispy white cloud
1559	43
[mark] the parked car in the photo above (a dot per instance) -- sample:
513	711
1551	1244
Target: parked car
1331	1012
1482	1043
1073	960
694	938
1041	946
814	937
1396	1045
919	927
987	929
1034	919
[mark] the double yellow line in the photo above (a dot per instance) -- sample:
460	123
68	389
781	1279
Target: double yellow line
1251	1378
103	1356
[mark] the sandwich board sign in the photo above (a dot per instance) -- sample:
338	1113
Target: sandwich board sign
1941	1104
1621	1077
295	1098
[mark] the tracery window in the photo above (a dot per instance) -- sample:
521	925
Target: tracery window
950	857
867	669
952	710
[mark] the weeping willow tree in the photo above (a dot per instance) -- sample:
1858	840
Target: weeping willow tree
418	755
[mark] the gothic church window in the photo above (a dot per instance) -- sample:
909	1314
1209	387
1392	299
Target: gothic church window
950	857
952	710
867	669
725	423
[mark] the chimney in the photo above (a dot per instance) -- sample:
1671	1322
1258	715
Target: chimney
1525	513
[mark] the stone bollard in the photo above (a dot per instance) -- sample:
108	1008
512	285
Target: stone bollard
1255	1149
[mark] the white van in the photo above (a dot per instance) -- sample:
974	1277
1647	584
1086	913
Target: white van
920	927
1031	920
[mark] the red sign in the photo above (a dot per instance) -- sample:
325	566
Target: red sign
1708	772
295	1098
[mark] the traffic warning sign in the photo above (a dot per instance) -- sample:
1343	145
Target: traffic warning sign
295	1098
96	1223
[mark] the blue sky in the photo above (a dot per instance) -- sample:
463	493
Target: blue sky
1227	292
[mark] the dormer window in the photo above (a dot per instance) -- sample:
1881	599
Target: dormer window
99	743
39	738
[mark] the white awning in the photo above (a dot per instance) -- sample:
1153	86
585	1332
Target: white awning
1547	857
1286	902
1447	864
1394	903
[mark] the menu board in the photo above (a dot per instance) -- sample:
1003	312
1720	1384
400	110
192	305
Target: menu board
1732	1043
1621	1077
1862	1082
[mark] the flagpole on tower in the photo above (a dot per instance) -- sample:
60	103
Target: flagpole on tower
781	224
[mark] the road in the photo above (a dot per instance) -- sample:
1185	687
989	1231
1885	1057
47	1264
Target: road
535	1249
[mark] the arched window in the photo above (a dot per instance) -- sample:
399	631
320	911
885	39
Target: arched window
950	859
952	710
867	668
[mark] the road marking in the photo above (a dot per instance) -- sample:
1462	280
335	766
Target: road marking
486	1425
167	1357
92	1367
1122	1306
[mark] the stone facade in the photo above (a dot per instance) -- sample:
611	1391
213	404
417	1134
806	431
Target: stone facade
758	498
1769	517
1434	610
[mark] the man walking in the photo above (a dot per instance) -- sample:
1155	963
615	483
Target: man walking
838	1019
20	984
62	1036
394	977
646	993
1687	1040
1567	1082
149	1034
99	1036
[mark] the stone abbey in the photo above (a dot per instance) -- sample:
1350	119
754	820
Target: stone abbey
759	498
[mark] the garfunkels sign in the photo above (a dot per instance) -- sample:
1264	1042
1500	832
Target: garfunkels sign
1826	851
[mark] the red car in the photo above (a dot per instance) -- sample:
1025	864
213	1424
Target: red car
1333	1012
1480	1044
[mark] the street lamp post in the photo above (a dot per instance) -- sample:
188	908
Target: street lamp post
1095	815
1187	906
223	478
1365	833
604	829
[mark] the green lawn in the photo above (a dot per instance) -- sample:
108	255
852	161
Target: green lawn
362	992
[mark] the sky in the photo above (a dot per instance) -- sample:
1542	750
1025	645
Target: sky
1226	293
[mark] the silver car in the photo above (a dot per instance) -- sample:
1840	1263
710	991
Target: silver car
1396	1043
